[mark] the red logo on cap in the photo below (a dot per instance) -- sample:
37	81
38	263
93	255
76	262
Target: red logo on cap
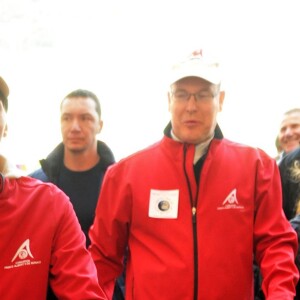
197	53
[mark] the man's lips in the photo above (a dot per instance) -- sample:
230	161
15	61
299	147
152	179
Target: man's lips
190	122
74	140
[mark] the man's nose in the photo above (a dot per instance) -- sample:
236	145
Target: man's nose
192	103
288	131
75	125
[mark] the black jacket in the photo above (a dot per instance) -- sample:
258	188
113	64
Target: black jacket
290	186
50	166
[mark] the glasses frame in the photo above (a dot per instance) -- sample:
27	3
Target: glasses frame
201	96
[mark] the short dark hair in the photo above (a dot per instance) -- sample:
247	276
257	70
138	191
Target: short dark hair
84	94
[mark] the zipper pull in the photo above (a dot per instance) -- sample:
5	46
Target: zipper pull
194	210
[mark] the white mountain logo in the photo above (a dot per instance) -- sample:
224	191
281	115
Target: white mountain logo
231	198
231	202
23	257
23	252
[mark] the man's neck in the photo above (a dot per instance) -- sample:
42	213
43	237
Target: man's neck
80	161
200	149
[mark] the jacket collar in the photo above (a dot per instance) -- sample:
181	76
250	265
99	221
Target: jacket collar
51	165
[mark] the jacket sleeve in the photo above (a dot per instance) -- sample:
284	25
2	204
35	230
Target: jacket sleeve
109	233
275	241
72	272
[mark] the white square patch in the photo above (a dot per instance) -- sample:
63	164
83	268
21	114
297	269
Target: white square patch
163	204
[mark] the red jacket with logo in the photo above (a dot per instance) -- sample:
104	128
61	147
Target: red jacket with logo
41	239
194	242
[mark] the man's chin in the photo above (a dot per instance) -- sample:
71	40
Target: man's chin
291	148
75	150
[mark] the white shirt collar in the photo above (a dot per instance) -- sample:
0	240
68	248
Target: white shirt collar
200	149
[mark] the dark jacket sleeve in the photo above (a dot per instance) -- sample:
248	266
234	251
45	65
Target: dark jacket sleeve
290	187
296	225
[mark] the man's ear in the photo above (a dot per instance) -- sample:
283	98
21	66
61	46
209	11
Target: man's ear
5	131
169	101
100	125
221	100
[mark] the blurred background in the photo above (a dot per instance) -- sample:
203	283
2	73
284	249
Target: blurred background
121	50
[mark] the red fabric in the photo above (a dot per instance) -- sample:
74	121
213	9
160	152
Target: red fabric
238	213
40	234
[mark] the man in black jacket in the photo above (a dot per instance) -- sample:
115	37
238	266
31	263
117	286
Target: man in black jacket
78	164
289	168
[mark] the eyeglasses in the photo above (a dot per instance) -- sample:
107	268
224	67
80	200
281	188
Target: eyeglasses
184	96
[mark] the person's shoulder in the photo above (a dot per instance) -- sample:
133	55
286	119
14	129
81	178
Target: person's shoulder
32	192
136	158
245	149
244	154
35	185
39	174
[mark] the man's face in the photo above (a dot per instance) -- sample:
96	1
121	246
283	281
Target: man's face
3	125
80	124
193	121
289	133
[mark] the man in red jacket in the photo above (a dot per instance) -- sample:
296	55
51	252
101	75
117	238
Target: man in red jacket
41	239
194	209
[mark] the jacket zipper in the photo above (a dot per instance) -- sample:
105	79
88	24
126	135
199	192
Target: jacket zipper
194	224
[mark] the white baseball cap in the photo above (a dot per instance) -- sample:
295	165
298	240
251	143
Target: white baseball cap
197	64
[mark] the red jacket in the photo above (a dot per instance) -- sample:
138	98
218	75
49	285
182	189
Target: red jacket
194	242
41	237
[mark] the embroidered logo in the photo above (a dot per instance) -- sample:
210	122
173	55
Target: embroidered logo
23	257
231	202
23	252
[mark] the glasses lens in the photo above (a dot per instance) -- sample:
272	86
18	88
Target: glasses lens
181	95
